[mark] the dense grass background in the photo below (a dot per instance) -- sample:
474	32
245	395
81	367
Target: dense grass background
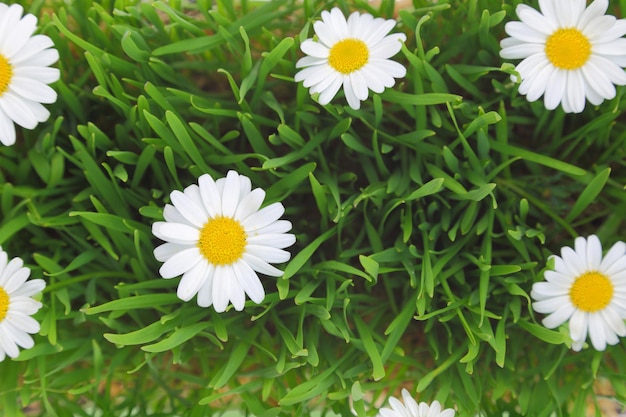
422	219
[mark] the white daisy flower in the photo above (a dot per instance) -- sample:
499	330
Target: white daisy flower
17	306
24	72
586	289
217	238
352	54
412	409
569	52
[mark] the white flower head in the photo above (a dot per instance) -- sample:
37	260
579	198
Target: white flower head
217	237
412	409
587	289
353	54
569	52
17	306
24	72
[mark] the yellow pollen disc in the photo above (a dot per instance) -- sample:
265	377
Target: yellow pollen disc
4	303
6	73
592	291
568	49
348	55
222	241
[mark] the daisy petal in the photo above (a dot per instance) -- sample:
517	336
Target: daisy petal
314	49
550	305
28	57
280	240
249	281
17	110
331	90
261	266
535	20
180	263
326	68
188	209
236	294
176	233
205	293
615	254
558	317
16	323
32	90
192	280
566	79
7	130
263	217
593	253
211	197
230	195
595	10
524	33
29	288
216	237
596	332
7	342
269	254
220	288
578	325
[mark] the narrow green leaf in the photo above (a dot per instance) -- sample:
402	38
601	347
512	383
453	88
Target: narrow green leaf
499	270
477	194
343	267
589	194
80	260
537	158
258	142
131	49
178	337
547	335
426	380
195	45
132	303
303	256
296	154
320	197
270	59
464	83
290	136
431	187
419	99
370	265
11	227
143	335
231	366
500	342
182	134
378	371
311	388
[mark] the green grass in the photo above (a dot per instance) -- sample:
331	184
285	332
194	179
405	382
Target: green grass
422	220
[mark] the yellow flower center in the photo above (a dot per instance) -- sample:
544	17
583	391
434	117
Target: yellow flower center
6	73
348	55
592	291
222	240
4	303
568	49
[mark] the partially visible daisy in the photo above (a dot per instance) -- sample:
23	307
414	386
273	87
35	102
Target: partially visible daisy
17	306
569	52
353	54
24	72
588	290
412	409
217	238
